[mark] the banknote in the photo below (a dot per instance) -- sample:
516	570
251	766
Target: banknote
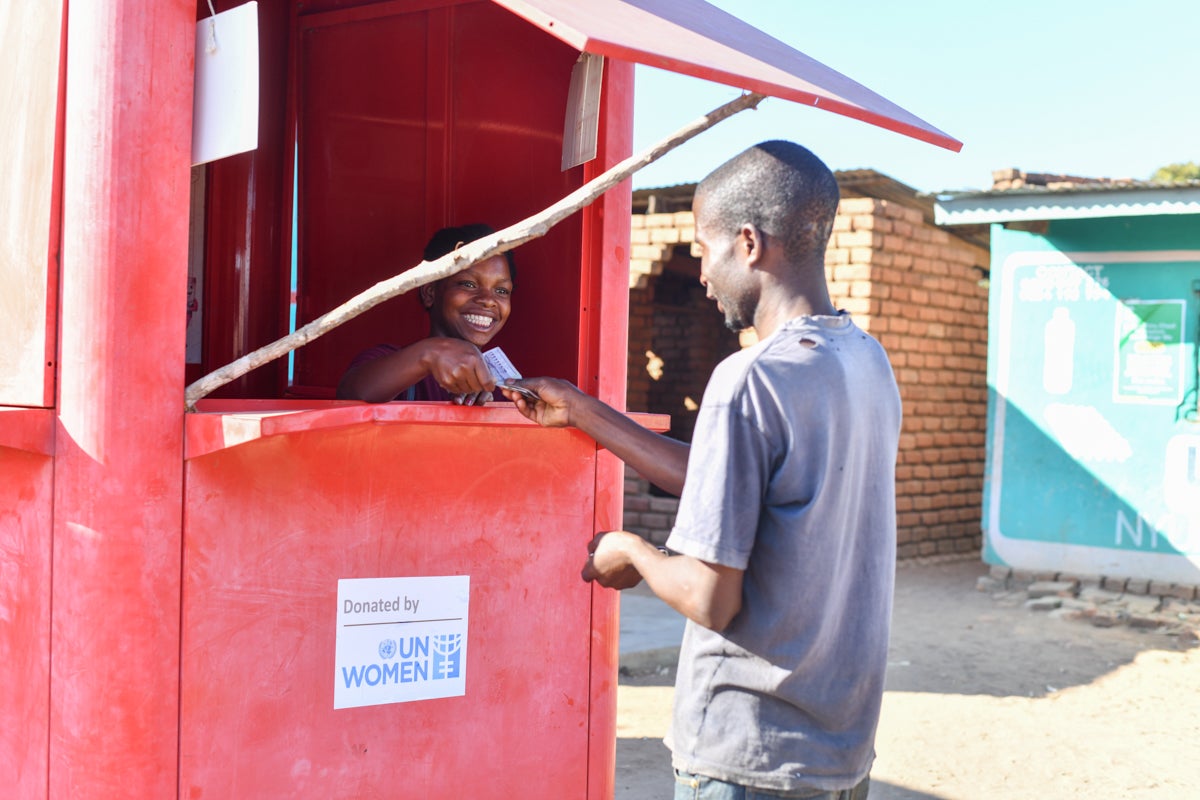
502	370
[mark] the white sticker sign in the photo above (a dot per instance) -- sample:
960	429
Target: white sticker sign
400	639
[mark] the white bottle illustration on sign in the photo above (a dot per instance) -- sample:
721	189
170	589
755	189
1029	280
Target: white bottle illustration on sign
1058	366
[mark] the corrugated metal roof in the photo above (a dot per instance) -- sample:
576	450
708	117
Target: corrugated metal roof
1068	201
1095	186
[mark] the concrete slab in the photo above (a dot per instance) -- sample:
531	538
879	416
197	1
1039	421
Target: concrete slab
651	631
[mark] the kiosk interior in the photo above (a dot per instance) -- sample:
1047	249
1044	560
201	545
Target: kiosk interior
398	119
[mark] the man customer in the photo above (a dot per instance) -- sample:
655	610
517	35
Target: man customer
783	550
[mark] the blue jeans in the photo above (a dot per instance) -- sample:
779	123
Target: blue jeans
699	787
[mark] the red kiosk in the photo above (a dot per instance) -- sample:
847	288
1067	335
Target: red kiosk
170	617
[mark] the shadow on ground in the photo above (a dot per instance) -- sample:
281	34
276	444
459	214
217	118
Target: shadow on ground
947	637
645	772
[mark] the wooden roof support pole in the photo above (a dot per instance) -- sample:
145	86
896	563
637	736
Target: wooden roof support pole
499	242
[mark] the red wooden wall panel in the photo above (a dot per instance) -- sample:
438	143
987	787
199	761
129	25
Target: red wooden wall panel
271	527
26	494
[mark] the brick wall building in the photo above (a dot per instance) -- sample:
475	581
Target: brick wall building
917	288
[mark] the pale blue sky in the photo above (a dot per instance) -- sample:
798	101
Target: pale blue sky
1083	87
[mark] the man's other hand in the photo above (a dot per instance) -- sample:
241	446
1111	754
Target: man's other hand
610	560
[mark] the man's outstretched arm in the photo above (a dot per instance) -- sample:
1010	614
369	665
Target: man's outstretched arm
659	459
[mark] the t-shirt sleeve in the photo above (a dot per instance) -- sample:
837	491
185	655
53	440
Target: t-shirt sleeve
727	475
366	356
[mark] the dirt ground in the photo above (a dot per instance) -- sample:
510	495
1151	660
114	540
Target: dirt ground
989	699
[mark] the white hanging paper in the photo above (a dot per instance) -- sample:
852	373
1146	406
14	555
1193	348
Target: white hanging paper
225	106
583	111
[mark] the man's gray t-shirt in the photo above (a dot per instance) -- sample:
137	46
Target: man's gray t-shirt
791	477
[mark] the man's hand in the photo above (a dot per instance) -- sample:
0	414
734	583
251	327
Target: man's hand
610	560
660	460
556	400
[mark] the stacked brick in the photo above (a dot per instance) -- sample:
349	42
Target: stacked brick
653	240
647	513
913	286
918	290
641	338
675	340
675	335
1005	179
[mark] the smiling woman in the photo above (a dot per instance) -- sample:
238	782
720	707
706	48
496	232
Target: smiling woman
466	311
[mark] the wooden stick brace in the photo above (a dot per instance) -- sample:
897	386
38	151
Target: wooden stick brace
500	242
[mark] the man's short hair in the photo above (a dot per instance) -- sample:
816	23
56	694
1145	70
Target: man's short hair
781	188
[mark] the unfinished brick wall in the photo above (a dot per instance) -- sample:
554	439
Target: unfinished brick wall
913	286
675	335
675	340
654	237
917	289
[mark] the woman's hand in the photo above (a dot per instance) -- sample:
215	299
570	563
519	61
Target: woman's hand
477	399
458	367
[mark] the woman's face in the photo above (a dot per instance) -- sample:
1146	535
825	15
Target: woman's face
472	305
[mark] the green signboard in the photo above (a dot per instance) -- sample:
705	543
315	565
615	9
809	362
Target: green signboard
1093	436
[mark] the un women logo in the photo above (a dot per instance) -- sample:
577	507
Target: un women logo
447	655
387	648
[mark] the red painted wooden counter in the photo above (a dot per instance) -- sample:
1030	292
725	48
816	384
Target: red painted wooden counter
283	499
